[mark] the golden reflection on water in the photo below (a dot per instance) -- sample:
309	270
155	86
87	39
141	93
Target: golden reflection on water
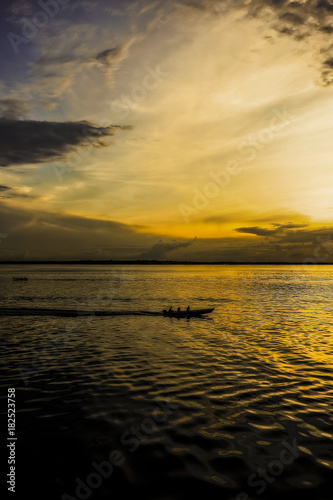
256	373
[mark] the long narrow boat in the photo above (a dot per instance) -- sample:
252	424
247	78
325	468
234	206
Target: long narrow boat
20	279
187	314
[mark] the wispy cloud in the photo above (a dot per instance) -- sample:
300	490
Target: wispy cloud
56	72
70	61
308	22
13	109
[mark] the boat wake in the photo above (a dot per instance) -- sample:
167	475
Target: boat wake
9	311
30	311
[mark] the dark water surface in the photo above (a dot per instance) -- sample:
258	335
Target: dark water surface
235	406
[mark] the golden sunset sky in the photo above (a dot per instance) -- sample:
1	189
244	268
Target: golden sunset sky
190	130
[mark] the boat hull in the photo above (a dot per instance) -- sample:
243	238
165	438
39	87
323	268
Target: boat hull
188	314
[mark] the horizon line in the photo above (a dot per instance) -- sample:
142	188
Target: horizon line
159	262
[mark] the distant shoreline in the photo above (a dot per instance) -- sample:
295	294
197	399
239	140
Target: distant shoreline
156	263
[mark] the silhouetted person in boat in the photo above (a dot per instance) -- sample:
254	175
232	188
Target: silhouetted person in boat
170	310
188	308
178	310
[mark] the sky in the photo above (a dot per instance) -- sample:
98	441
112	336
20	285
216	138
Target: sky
194	130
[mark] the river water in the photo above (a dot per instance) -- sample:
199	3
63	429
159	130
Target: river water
237	405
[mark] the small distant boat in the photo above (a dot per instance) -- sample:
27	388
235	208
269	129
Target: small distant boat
20	279
191	313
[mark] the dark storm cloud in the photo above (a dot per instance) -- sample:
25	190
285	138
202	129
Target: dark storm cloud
159	251
24	142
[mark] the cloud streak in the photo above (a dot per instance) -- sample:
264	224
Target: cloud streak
161	249
107	58
4	188
278	229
